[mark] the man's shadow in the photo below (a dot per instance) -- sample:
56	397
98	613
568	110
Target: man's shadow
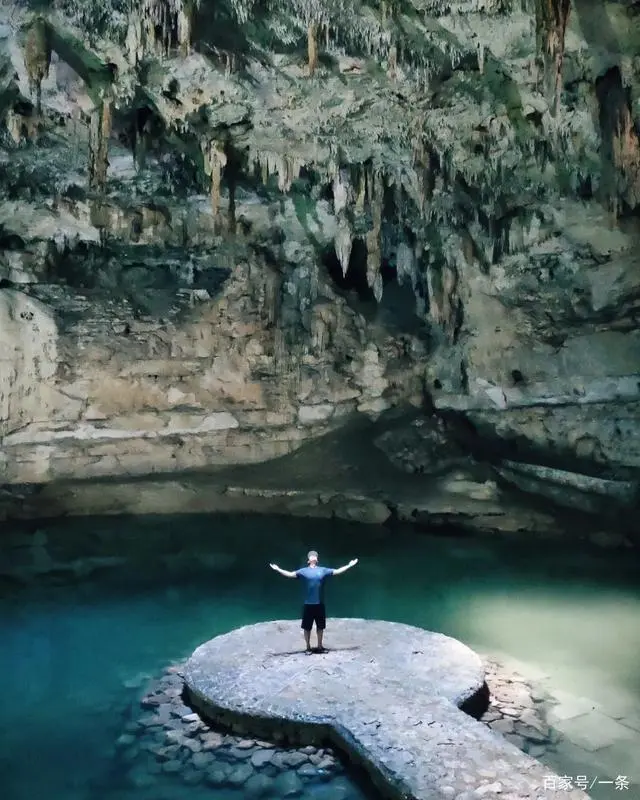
314	650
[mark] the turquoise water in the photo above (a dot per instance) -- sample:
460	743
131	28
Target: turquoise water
74	654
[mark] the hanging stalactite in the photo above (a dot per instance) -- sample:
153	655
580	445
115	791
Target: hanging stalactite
99	133
156	26
342	201
373	238
215	159
37	57
421	159
392	62
312	47
552	17
185	16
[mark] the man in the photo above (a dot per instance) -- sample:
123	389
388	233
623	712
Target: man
313	610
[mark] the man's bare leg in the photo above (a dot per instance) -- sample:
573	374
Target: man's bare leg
307	640
320	635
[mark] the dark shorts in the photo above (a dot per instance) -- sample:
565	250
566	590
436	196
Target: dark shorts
313	613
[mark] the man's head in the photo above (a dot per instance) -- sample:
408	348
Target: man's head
312	558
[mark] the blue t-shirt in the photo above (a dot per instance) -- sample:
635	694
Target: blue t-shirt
314	583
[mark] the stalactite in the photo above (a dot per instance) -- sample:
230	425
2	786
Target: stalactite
184	31
421	166
37	57
343	243
268	163
434	289
551	24
312	47
406	264
392	61
361	194
135	39
214	160
373	238
342	201
288	171
341	191
480	50
99	133
155	26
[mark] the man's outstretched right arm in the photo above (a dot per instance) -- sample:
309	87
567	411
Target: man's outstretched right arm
283	571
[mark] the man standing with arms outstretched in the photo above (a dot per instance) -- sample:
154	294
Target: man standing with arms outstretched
314	577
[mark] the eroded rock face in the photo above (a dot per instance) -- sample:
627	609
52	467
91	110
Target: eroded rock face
212	249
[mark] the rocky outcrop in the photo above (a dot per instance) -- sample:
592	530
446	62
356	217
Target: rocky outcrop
225	234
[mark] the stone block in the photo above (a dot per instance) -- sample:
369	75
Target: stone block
309	415
370	512
373	406
198	423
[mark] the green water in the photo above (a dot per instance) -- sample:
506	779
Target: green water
74	653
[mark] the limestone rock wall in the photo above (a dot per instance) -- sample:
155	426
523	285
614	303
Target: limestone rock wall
108	394
233	237
28	361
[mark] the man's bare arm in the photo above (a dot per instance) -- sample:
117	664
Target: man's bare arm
283	571
340	570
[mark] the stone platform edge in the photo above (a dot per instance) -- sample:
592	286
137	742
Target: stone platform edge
307	730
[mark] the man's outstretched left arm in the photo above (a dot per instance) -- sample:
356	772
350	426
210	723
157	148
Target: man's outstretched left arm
340	570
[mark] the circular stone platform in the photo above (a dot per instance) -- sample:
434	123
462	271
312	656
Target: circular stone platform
386	694
262	668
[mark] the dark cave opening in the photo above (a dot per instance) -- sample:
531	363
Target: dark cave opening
396	310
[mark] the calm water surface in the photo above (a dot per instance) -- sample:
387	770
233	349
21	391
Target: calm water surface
74	655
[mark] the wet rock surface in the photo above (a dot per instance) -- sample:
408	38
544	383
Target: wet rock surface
386	694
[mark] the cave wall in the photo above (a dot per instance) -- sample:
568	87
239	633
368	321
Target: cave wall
110	393
214	228
28	361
